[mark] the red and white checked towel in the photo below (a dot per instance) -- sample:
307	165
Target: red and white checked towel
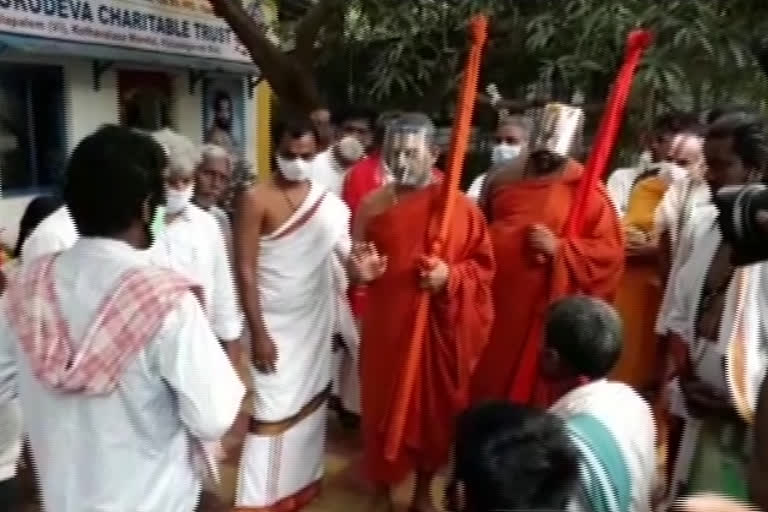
124	323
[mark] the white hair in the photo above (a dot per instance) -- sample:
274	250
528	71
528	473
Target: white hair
183	156
216	151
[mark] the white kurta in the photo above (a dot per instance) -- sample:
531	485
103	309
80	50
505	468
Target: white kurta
10	428
299	294
327	172
55	233
619	187
476	188
129	450
631	425
194	246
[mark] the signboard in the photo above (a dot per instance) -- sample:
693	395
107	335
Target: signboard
186	27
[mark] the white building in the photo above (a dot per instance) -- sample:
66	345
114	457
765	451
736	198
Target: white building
70	66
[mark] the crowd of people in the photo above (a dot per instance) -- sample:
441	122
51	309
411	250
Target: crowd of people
617	369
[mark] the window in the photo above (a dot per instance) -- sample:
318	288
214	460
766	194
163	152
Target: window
145	99
32	144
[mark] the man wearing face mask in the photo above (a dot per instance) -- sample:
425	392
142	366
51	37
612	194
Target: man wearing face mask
640	292
528	204
330	167
392	233
191	241
289	234
118	374
511	137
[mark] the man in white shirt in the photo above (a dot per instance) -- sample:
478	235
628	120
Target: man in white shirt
212	182
114	363
191	241
611	425
56	233
511	137
622	181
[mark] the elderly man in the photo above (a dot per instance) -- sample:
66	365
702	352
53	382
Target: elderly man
290	234
583	338
213	181
511	138
392	232
117	371
190	241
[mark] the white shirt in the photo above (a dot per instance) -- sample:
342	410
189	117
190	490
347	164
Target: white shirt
630	420
129	450
193	245
55	233
477	187
619	187
327	172
10	430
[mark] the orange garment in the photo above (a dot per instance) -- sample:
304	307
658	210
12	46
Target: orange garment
639	295
459	321
525	286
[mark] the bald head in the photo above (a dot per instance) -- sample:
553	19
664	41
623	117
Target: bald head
687	151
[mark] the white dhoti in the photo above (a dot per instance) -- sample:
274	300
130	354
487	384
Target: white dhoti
282	461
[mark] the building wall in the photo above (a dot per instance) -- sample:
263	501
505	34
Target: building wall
87	109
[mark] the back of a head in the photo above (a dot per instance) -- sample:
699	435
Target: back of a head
586	333
750	140
718	112
676	122
112	174
37	210
511	457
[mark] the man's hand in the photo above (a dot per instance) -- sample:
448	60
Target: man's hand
639	243
366	263
264	354
542	240
433	273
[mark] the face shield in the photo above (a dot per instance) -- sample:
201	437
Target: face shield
556	134
408	154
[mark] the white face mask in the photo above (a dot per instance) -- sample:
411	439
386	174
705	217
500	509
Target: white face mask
294	170
505	152
350	149
177	200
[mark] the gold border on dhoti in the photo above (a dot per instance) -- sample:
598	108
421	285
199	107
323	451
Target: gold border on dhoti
275	428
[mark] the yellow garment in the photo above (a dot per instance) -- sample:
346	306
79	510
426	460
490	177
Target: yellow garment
639	294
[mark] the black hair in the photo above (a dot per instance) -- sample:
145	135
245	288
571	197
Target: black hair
718	112
293	128
586	332
37	210
111	175
355	113
512	457
676	122
221	96
749	138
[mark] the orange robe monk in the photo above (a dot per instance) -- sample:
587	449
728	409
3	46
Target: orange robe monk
527	282
459	321
640	292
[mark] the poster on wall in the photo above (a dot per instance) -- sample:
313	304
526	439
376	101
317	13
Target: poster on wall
224	114
186	27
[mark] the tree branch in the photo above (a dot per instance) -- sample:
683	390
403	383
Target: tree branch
290	80
309	27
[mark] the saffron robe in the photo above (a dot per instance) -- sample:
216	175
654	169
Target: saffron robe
524	287
458	324
640	293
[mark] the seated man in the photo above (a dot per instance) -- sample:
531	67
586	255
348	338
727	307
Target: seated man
511	457
610	424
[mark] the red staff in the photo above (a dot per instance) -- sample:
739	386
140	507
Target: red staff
459	142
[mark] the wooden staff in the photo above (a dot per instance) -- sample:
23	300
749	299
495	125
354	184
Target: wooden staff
459	143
